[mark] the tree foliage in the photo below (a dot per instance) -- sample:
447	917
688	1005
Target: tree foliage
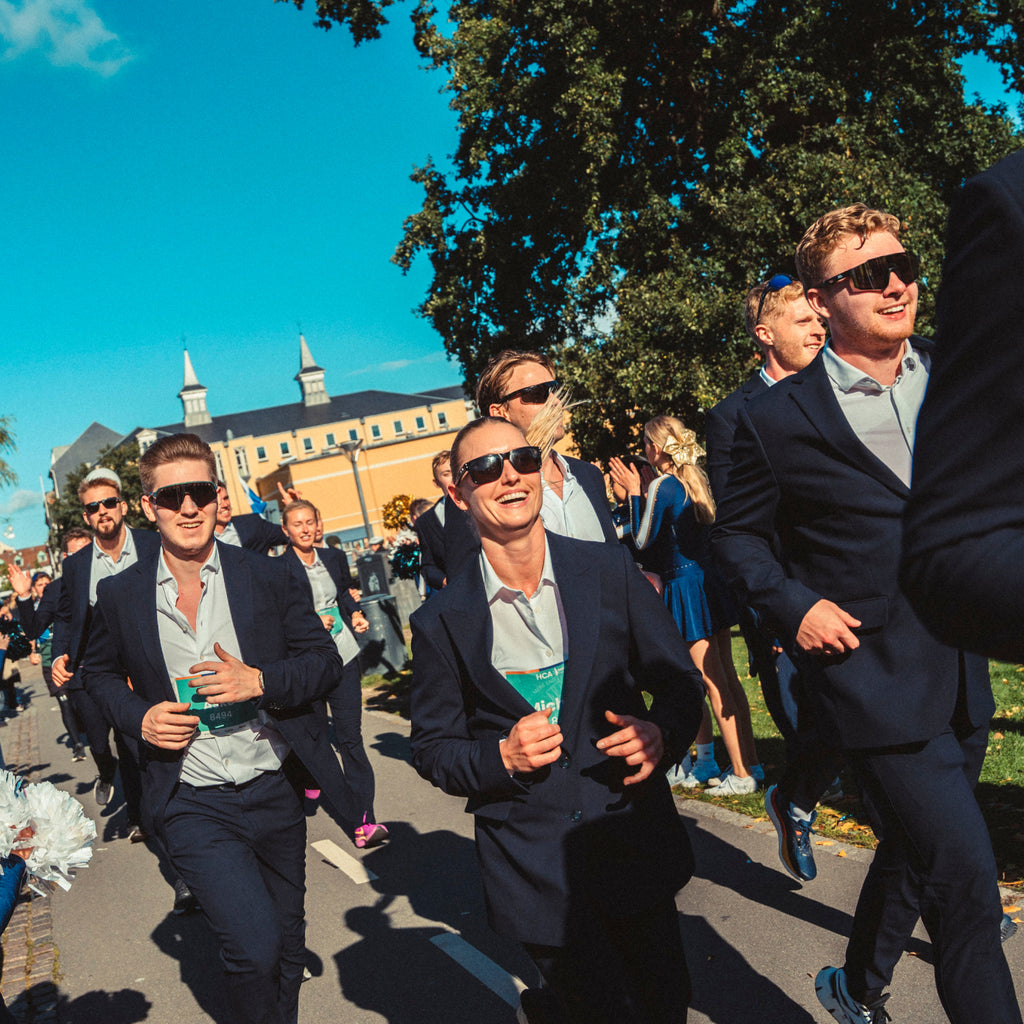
66	511
7	444
625	172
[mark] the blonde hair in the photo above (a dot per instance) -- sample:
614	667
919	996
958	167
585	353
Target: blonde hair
679	444
775	303
822	237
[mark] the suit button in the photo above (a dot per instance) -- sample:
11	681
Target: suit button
564	762
576	816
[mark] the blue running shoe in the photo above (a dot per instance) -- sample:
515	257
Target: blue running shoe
794	837
830	987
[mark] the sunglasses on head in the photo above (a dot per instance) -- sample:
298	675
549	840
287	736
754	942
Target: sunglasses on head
873	275
172	497
92	507
535	394
775	284
487	468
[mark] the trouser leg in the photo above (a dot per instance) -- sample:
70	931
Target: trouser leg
346	704
935	857
242	853
97	731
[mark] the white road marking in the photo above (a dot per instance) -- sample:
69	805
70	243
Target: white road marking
504	985
340	859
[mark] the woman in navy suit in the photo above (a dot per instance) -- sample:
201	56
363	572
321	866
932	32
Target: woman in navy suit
325	575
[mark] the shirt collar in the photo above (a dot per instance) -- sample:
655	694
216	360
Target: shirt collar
493	586
847	377
127	548
164	574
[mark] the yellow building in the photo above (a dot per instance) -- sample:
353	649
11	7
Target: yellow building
318	444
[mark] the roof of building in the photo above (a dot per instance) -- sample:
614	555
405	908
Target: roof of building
85	448
279	419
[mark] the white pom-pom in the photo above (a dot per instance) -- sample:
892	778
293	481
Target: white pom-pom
63	834
14	812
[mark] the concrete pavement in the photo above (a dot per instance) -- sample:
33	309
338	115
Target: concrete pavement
398	933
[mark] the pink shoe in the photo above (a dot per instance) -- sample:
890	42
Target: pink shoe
311	794
370	834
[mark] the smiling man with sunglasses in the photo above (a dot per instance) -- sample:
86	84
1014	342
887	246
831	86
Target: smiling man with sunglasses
809	533
227	660
527	699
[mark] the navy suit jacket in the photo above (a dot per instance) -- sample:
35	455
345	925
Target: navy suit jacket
720	430
336	564
550	839
431	537
257	534
964	526
35	620
462	542
74	615
809	513
277	631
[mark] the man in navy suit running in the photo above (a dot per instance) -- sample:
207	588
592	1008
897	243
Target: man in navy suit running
810	533
228	663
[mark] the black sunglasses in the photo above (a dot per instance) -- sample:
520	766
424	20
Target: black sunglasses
92	507
487	468
535	394
873	275
775	284
172	497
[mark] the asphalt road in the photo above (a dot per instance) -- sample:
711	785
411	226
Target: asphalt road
397	934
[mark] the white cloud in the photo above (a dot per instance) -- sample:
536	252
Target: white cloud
397	364
19	501
68	32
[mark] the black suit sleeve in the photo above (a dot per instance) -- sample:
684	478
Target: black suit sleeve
719	431
35	621
964	525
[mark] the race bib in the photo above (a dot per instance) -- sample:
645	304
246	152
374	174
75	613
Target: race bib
541	688
215	718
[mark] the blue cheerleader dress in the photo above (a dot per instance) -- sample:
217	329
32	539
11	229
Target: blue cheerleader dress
676	546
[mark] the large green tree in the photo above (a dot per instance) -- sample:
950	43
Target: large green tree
7	444
625	171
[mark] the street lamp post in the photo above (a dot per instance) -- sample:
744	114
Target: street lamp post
352	450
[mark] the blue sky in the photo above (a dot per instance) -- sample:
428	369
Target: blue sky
219	171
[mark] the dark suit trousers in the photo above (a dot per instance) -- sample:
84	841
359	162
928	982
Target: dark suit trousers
614	970
241	850
346	704
810	764
97	732
934	861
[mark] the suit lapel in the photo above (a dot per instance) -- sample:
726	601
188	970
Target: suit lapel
468	622
579	587
812	392
142	593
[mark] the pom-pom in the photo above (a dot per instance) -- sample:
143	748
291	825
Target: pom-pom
14	812
63	834
47	827
405	562
396	512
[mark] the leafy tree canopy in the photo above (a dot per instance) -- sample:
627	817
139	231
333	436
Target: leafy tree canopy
625	172
66	511
7	444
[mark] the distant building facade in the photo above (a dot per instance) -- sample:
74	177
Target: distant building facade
311	444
